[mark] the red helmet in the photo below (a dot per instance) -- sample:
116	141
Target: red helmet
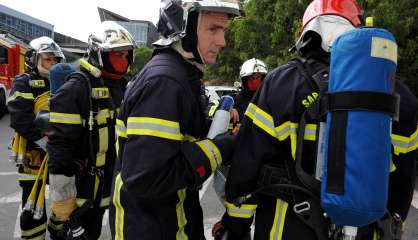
348	9
329	19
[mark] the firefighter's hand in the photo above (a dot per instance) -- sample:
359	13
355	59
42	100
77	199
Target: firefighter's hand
234	116
218	230
225	143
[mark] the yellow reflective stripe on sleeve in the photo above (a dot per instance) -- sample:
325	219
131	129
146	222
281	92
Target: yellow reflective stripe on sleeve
287	129
402	144
154	127
310	132
119	211
212	153
103	146
276	232
120	128
261	119
27	96
181	216
26	233
244	211
65	118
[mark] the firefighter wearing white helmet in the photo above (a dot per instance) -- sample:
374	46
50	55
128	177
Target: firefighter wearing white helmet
155	194
29	96
43	51
251	75
81	143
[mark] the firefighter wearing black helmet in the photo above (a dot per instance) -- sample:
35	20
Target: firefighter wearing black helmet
266	147
164	156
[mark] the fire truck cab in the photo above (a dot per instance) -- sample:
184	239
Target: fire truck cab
12	63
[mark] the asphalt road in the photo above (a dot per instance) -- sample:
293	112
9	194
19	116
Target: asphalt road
10	199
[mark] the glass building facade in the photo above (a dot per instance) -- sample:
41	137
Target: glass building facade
24	27
138	30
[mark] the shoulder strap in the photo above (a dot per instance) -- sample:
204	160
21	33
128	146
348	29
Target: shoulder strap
313	71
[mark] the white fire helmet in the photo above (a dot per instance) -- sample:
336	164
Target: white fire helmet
109	37
251	67
39	46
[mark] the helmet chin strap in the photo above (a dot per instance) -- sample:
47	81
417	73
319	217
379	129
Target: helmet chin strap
197	43
41	70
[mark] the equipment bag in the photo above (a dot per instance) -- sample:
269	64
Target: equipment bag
357	149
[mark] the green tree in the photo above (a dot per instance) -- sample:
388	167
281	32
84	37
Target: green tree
267	32
141	56
401	18
271	27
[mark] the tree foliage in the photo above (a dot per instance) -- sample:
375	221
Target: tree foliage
141	56
271	27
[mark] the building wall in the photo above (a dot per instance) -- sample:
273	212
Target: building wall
22	25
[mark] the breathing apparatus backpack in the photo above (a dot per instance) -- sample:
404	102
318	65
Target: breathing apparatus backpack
353	135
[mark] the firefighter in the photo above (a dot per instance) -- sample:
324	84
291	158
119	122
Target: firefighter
266	146
81	143
28	97
164	156
252	74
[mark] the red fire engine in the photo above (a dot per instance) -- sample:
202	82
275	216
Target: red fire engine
12	63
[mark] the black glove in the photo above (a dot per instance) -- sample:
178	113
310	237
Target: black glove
73	230
225	143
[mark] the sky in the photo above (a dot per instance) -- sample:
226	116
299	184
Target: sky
78	18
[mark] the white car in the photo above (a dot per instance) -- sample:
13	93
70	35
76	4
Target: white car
216	92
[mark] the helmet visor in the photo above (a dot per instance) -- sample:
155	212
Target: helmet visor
329	27
51	49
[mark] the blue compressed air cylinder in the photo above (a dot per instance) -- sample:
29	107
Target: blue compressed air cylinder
361	60
58	74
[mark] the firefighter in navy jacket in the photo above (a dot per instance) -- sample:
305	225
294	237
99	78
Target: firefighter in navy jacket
163	155
269	131
82	141
28	97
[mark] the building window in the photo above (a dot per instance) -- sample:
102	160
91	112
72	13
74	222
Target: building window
2	18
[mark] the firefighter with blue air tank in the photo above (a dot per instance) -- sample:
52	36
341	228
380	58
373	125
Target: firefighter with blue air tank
265	176
81	142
